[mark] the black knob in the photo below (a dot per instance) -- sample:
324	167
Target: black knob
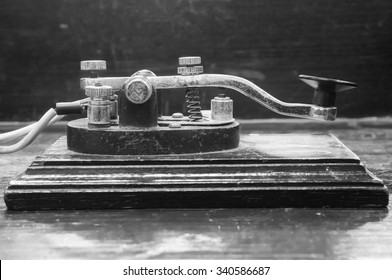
326	89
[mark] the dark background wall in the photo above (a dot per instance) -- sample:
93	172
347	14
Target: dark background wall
267	42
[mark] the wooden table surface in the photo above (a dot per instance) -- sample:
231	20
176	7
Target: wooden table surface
211	233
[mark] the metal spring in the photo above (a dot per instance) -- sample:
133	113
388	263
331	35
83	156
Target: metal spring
193	101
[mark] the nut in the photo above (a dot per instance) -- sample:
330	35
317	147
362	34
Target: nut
98	91
192	70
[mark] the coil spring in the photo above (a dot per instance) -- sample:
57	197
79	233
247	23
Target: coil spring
193	101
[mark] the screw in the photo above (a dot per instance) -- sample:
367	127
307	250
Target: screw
188	65
98	91
177	116
93	66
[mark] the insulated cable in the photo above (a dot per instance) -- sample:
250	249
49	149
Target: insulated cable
32	130
12	135
33	133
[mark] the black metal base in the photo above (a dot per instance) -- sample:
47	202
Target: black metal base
160	140
279	170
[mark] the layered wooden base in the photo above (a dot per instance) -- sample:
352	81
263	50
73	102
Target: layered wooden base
272	170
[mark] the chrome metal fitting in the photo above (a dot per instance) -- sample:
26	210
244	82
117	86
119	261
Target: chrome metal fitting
189	60
99	109
138	90
98	114
222	108
98	91
188	65
92	65
191	70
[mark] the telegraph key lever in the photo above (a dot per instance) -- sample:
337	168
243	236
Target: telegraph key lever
191	76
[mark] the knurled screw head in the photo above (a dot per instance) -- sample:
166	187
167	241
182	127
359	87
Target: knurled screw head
92	65
98	91
191	70
189	60
188	65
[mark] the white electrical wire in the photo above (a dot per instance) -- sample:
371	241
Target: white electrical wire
8	136
31	130
35	129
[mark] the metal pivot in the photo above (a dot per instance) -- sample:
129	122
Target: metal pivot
326	89
188	66
138	105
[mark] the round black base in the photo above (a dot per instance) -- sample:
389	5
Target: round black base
151	141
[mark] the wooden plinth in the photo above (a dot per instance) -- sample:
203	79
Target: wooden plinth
271	170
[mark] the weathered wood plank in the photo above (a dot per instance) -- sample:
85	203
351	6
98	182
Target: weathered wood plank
269	170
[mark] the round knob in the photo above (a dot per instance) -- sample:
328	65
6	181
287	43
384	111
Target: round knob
326	89
138	90
188	65
222	108
93	65
98	91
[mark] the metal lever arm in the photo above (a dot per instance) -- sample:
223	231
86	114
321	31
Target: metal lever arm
241	85
248	89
